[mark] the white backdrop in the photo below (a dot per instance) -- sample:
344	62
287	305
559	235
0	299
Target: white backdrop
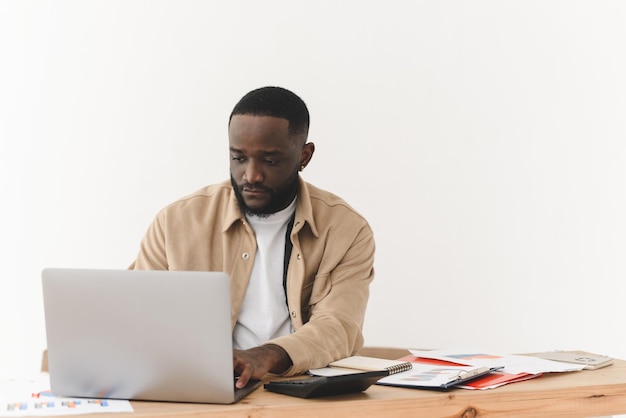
483	140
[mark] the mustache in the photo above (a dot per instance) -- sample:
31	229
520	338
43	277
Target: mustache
253	187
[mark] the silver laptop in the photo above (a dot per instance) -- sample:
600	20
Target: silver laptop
142	335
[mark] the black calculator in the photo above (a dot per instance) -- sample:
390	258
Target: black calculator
316	386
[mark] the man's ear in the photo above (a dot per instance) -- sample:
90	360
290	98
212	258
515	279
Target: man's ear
307	153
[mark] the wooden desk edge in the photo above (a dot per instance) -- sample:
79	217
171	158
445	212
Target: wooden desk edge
601	393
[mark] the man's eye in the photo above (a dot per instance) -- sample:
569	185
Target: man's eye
237	159
271	162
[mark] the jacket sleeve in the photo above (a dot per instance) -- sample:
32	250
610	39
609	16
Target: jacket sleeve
336	308
152	254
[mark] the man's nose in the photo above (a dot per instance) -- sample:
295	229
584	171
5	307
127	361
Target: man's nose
253	173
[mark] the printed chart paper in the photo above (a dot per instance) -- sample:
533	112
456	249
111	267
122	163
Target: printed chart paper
31	397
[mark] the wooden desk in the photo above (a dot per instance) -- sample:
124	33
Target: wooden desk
576	394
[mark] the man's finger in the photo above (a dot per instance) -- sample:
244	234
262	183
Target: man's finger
244	377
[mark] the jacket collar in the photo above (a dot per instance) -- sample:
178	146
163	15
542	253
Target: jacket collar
304	210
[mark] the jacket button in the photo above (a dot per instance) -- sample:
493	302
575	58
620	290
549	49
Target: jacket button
245	256
298	256
293	314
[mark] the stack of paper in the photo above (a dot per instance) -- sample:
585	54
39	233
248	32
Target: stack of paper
515	368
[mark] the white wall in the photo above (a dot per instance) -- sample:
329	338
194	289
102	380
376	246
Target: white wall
484	141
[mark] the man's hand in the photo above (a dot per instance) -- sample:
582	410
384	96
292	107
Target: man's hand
258	361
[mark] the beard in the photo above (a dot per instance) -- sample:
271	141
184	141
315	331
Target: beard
280	197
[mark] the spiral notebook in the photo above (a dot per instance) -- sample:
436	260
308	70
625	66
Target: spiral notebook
372	364
360	364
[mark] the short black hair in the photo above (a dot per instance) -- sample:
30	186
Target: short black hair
277	102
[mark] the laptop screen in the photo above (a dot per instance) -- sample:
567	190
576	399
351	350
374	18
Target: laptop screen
146	335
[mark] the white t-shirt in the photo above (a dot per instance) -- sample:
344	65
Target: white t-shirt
264	314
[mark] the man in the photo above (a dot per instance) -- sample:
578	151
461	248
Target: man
300	259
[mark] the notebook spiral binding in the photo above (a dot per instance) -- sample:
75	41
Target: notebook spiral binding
397	368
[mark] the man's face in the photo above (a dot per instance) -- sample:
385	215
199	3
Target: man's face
264	163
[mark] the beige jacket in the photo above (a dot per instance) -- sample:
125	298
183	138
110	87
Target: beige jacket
330	268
